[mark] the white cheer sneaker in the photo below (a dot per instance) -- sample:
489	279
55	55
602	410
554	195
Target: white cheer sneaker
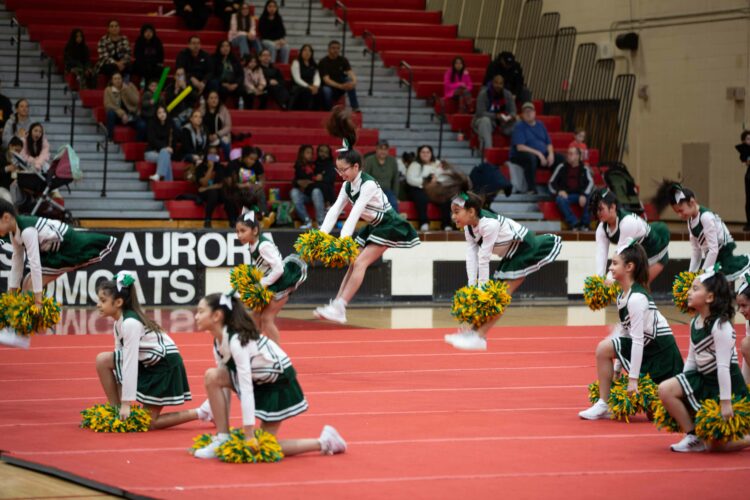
9	337
471	341
689	444
331	441
335	311
600	410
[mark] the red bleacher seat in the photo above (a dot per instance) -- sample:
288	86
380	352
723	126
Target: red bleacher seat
416	58
405	29
55	16
391	15
436	45
376	4
169	190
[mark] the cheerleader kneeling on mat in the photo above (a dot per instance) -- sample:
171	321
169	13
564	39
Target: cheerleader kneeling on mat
261	374
522	253
711	369
743	305
644	344
146	365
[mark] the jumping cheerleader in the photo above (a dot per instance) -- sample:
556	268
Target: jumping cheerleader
282	277
616	227
145	365
645	344
259	372
50	248
385	228
743	304
709	236
711	369
522	253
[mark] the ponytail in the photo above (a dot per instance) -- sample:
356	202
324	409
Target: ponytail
129	296
669	193
236	318
340	124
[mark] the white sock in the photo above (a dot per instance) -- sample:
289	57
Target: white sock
204	411
601	401
341	302
222	436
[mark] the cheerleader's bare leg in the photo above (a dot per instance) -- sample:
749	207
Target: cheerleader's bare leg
105	366
654	270
512	287
216	380
671	394
268	319
329	443
745	349
356	273
159	421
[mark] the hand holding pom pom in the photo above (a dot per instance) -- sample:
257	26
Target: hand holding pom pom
598	294
680	287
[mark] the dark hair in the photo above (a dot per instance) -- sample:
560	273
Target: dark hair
665	194
323	146
148	27
15	141
603	195
419	150
251	57
249	150
129	301
636	255
301	154
7	207
74	34
313	64
744	135
333	42
190	38
237	320
457	75
722	308
472	201
34	148
112	77
208	95
745	292
341	125
219	44
408	157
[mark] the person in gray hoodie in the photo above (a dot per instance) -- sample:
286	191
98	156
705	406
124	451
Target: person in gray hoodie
496	107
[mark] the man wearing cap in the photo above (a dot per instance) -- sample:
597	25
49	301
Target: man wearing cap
495	108
531	146
383	167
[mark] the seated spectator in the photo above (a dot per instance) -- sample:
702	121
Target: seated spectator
496	108
8	170
457	84
114	52
121	103
19	122
572	184
305	80
243	32
197	64
271	32
531	146
148	106
6	109
324	165
275	84
305	188
225	9
505	65
249	174
226	72
254	84
422	170
194	12
159	148
338	77
214	187
384	169
580	143
487	180
149	54
217	122
35	150
180	113
193	140
15	147
77	60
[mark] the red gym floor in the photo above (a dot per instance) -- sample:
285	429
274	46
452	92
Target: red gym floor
422	421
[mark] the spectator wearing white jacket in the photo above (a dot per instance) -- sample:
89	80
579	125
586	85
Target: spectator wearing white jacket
306	81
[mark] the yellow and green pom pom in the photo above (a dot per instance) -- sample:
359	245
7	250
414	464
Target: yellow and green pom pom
262	448
246	280
106	418
200	442
20	312
594	391
257	297
339	252
622	406
711	426
680	287
597	294
310	245
476	305
662	418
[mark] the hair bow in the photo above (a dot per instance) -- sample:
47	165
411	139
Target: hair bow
709	273
679	195
744	282
345	146
460	199
124	279
226	300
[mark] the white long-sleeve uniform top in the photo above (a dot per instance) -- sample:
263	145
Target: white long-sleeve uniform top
32	236
628	226
492	234
711	352
708	234
745	364
134	344
368	202
265	255
257	362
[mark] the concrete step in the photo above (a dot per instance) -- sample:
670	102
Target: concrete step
108	203
122	214
93	183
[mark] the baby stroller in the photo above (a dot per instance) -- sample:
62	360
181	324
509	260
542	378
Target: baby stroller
620	182
38	186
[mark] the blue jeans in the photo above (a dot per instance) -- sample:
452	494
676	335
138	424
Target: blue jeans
163	161
564	204
299	198
331	94
392	199
283	52
244	44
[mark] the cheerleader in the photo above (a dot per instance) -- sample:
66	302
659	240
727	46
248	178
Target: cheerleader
50	248
709	237
711	369
743	304
385	228
146	365
522	253
281	276
616	227
645	344
255	367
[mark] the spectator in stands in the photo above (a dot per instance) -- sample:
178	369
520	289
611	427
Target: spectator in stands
496	109
197	64
15	147
531	146
572	184
35	150
275	84
580	142
159	149
254	84
114	52
149	54
7	169
193	140
225	9
384	169
214	187
505	64
421	170
243	32
305	187
324	165
249	173
743	148
181	113
457	84
217	122
77	60
121	104
338	77
19	122
193	12
272	33
148	106
305	80
226	72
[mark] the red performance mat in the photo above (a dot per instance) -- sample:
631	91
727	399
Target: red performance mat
422	421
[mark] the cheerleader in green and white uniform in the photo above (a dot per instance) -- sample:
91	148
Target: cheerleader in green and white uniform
616	227
644	344
743	305
146	365
260	372
712	369
385	228
50	248
522	253
281	276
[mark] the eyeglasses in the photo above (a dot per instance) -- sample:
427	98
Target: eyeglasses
342	170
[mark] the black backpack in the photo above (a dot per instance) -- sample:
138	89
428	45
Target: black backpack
622	184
